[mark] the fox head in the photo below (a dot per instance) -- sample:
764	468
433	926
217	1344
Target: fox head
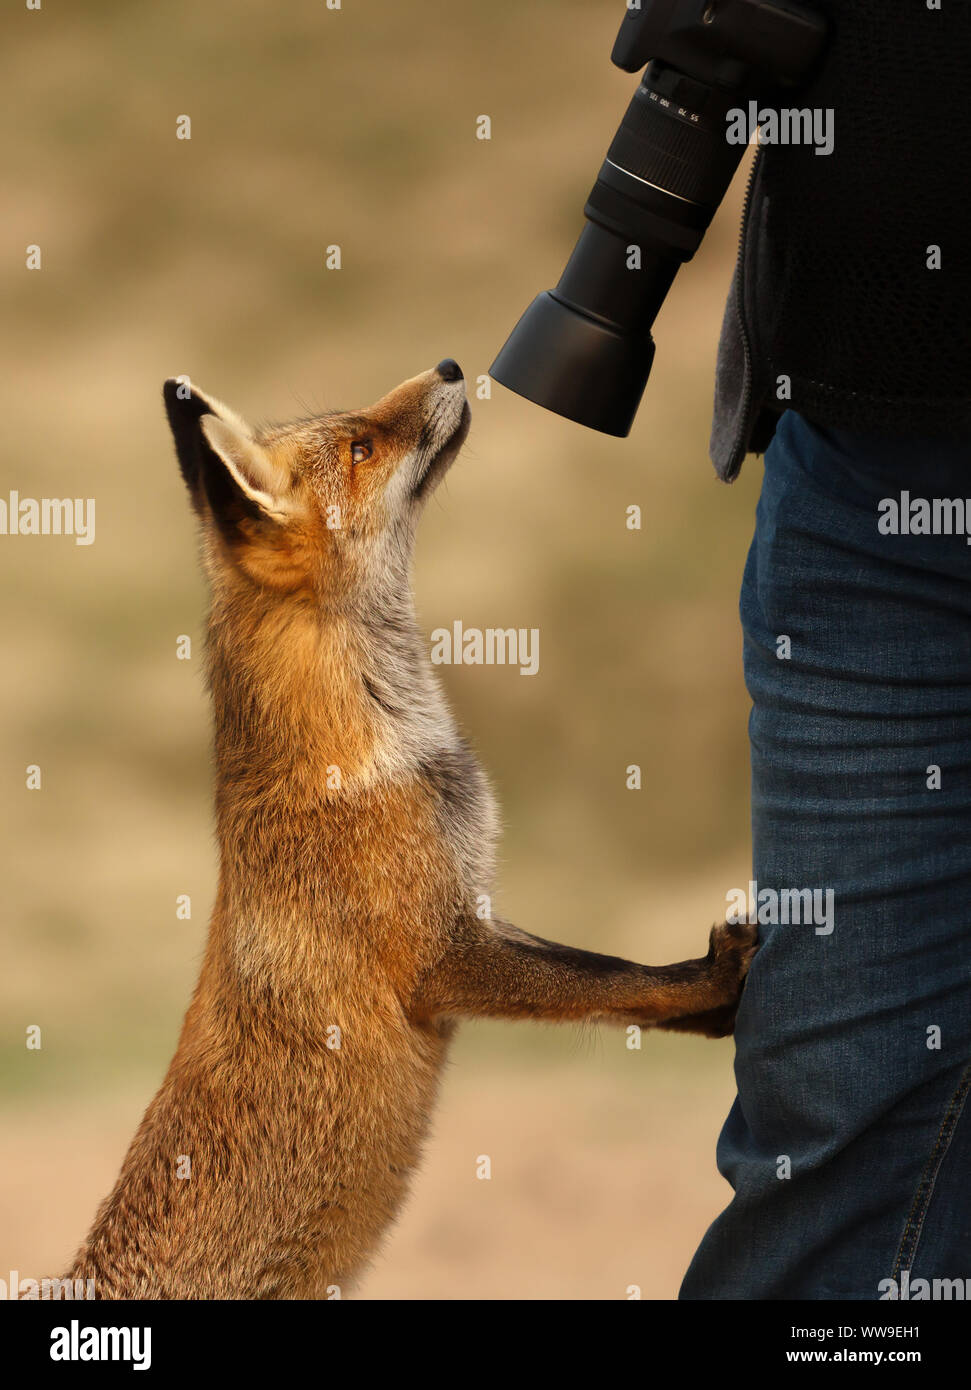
308	531
326	507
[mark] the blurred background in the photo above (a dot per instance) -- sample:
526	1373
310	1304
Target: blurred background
312	127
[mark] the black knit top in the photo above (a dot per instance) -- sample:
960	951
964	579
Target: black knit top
841	286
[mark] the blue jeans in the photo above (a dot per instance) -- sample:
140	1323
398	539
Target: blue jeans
849	1142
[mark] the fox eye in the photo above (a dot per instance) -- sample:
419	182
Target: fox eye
361	450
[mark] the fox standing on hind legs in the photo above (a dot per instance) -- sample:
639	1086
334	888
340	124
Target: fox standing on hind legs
356	835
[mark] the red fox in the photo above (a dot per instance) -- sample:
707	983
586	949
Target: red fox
356	834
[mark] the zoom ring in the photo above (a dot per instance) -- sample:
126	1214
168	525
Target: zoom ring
690	159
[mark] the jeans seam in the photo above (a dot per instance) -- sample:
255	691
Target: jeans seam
910	1239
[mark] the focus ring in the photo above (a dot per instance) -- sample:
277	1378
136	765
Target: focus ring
690	159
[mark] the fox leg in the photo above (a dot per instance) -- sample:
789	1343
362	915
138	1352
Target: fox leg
714	1023
498	971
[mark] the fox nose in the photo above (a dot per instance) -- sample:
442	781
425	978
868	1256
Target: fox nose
449	370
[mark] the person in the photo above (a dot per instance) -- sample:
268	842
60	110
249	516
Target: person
846	358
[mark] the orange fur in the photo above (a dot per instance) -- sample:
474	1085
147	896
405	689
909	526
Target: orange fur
355	834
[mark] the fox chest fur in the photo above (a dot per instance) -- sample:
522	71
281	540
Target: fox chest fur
306	1072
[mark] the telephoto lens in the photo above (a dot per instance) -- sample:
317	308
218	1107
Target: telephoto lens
584	349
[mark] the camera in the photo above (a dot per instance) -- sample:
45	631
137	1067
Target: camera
584	349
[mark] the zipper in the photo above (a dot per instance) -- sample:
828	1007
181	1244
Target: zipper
748	369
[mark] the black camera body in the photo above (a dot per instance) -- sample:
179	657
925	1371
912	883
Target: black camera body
726	43
584	349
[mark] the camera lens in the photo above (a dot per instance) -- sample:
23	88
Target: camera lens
585	348
672	138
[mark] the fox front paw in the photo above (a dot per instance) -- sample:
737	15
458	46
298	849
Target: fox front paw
731	947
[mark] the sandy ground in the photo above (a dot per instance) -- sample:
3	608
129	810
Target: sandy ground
597	1184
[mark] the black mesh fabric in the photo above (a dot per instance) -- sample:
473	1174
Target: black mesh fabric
871	337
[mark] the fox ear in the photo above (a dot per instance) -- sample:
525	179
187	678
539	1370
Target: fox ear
221	462
250	469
